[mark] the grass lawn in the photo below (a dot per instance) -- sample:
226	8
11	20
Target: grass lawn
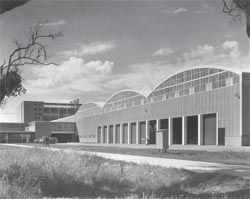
36	173
227	157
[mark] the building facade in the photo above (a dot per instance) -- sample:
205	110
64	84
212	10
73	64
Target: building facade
201	106
15	133
29	111
63	131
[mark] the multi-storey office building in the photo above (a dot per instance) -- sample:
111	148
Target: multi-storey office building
29	111
201	106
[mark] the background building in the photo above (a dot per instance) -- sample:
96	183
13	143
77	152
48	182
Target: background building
15	133
29	111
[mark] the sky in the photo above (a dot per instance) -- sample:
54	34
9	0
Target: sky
111	45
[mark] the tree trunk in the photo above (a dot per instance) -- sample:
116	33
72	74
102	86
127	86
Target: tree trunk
248	25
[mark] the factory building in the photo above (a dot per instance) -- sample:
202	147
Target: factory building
199	106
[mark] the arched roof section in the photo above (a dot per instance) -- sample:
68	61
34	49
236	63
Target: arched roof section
89	109
194	79
124	99
90	105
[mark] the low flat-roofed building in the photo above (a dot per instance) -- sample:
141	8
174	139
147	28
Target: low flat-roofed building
15	133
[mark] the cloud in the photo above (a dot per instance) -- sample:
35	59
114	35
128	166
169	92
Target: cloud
142	77
226	54
232	47
163	52
200	12
199	52
91	49
179	10
74	73
56	23
95	79
174	11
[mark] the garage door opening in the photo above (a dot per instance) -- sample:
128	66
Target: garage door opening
99	132
209	129
133	133
111	134
152	129
125	133
164	124
142	134
177	130
105	134
117	135
192	130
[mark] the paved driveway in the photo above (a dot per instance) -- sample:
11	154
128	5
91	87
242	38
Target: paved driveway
198	166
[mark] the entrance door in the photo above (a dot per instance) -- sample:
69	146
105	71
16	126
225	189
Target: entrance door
177	130
105	134
117	133
209	129
99	131
133	133
192	130
152	126
125	133
111	134
142	136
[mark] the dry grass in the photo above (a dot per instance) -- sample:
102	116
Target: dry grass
37	173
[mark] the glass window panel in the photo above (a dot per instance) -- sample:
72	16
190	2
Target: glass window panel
222	76
213	78
213	70
236	80
215	85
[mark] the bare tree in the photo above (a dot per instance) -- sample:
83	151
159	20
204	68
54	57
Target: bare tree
236	9
32	52
6	5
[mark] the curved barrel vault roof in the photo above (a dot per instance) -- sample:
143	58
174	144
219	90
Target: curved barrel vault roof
132	92
237	71
127	93
89	105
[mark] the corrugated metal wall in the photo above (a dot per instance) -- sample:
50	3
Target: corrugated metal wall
246	109
225	101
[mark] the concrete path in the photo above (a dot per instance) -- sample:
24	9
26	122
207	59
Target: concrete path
198	166
175	146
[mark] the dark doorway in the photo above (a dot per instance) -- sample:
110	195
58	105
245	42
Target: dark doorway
142	134
209	129
152	129
177	130
221	136
164	124
133	133
105	134
111	134
117	135
192	130
99	132
125	133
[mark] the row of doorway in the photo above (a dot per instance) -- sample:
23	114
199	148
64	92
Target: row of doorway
115	138
209	131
